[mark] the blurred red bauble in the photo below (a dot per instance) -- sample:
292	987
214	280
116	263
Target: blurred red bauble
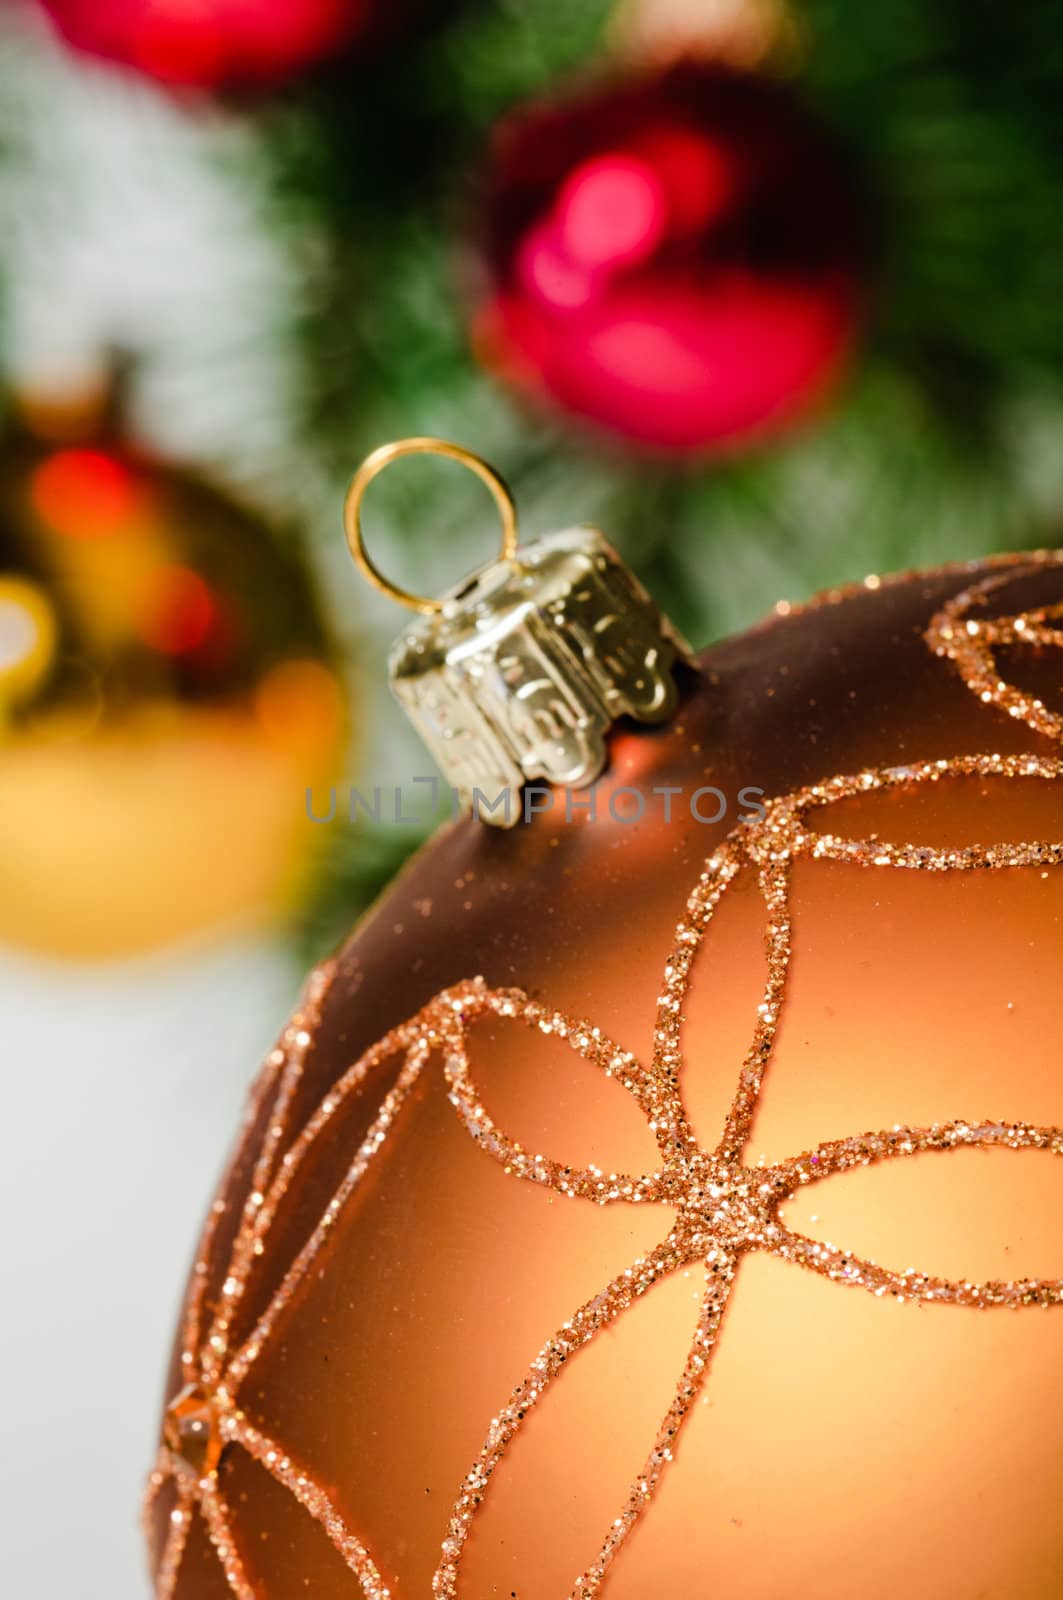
207	43
675	259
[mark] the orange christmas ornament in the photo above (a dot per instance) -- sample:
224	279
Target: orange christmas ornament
525	1278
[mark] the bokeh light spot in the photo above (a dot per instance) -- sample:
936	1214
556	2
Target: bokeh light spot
551	275
611	212
180	612
27	635
299	705
698	175
84	494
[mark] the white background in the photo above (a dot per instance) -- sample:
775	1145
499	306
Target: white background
120	1090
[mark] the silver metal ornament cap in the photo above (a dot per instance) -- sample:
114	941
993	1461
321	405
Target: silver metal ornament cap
519	671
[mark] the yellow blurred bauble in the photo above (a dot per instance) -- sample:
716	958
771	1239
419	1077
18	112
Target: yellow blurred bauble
737	33
666	1208
167	694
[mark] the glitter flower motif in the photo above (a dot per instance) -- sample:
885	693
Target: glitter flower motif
722	1208
963	634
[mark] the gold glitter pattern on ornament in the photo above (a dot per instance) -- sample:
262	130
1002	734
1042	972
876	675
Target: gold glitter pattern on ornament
967	637
722	1208
204	1419
1033	560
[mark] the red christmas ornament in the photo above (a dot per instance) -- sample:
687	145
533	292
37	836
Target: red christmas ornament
206	43
676	259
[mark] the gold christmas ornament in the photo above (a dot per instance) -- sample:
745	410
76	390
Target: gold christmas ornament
165	698
525	1277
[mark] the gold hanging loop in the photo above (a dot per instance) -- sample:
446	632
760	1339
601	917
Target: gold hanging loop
420	446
